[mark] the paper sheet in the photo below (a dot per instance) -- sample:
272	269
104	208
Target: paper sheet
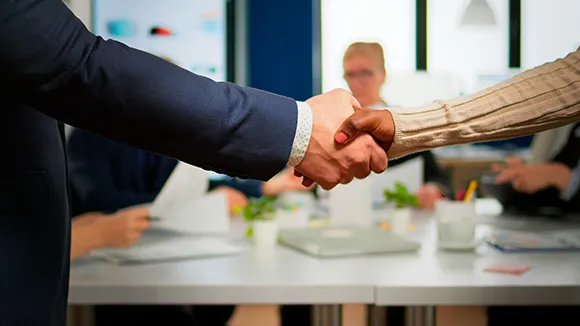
409	173
183	205
204	215
186	183
173	248
351	204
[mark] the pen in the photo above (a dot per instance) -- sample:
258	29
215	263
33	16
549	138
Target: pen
470	191
153	218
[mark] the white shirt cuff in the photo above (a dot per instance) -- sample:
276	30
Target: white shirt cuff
302	135
573	185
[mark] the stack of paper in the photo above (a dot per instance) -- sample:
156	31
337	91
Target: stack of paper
175	248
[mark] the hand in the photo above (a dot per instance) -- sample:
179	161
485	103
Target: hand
329	163
379	123
234	198
533	178
428	195
285	181
510	162
123	228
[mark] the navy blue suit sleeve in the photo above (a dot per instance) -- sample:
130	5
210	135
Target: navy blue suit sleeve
250	188
50	61
89	164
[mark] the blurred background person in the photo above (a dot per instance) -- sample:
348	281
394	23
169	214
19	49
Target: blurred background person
365	74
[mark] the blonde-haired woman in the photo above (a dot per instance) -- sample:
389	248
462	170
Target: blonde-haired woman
365	74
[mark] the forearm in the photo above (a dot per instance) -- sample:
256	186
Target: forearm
542	98
54	64
84	238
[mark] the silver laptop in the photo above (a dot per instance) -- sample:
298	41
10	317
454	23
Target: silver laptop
345	241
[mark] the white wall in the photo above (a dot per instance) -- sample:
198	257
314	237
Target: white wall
550	30
466	51
389	22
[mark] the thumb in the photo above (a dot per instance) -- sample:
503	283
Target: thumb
360	121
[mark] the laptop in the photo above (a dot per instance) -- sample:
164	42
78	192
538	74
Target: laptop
345	241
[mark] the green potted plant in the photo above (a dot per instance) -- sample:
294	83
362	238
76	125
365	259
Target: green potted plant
260	214
404	202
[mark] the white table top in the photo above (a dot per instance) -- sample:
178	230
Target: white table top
279	275
437	277
283	276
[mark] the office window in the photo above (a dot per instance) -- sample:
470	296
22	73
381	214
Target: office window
550	30
389	22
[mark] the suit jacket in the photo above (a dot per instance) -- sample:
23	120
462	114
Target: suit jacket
53	67
107	176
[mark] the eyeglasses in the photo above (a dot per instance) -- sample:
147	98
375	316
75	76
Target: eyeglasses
362	74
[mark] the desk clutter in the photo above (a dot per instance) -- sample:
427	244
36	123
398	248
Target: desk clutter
351	220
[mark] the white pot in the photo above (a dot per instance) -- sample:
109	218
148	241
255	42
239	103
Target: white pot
400	220
265	233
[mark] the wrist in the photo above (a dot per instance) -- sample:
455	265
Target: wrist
559	176
99	232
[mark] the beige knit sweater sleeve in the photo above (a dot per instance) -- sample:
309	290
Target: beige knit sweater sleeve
538	99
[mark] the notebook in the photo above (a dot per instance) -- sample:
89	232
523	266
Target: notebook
172	249
517	241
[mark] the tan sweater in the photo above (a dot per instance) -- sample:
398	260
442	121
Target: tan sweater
538	99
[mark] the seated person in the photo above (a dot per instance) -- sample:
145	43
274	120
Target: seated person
554	183
365	74
106	177
90	231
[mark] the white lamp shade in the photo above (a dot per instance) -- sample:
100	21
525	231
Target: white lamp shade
478	13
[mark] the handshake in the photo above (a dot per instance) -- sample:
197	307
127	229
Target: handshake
346	142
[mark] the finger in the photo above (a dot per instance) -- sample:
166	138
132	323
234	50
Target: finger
348	179
361	120
134	212
507	175
143	224
362	172
379	160
518	185
298	174
307	182
496	167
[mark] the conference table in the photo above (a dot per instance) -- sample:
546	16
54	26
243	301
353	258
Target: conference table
420	280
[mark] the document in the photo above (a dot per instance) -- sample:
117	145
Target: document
172	248
207	214
351	204
183	204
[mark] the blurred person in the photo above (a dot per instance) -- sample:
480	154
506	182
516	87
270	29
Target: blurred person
554	183
365	74
93	230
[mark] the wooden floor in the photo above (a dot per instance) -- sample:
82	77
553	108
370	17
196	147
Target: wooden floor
355	315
